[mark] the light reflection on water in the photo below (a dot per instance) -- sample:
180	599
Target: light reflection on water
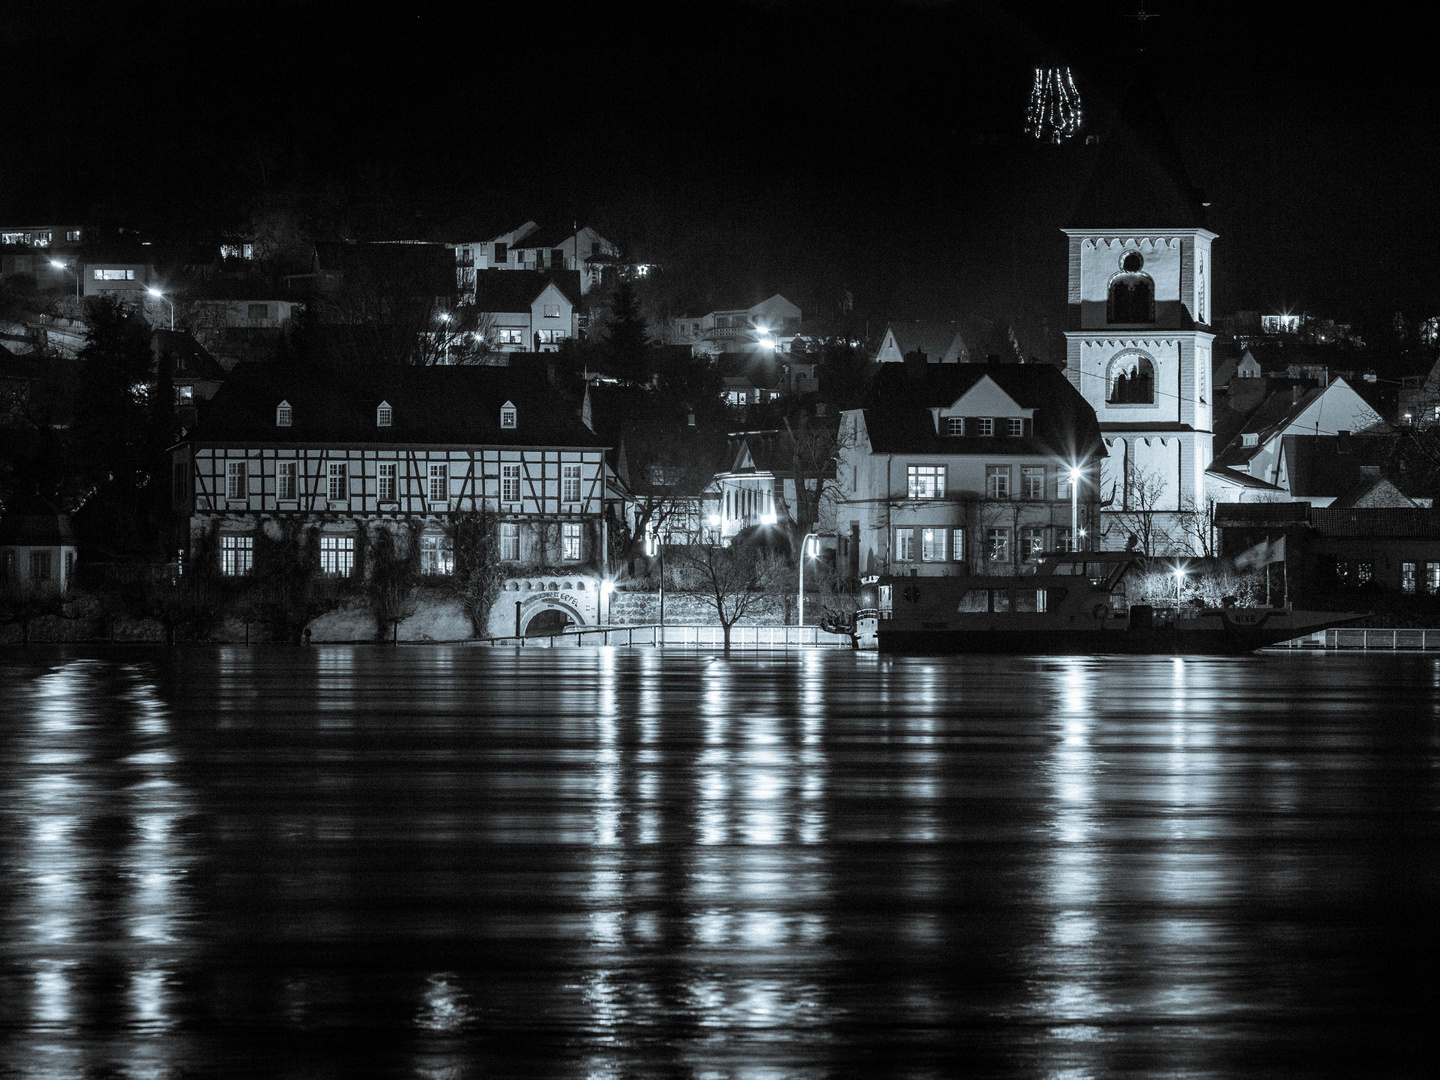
621	863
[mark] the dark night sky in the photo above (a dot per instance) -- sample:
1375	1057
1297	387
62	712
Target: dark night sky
806	147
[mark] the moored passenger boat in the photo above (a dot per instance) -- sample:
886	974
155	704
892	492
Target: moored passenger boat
1072	603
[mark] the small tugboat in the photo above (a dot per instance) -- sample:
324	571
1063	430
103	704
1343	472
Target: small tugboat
1072	604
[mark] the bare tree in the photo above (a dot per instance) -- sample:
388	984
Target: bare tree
737	580
1142	515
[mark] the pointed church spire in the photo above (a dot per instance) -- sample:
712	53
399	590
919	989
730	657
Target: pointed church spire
1138	180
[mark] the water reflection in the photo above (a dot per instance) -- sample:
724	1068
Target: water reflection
448	862
98	909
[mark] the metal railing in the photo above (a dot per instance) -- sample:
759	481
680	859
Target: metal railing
691	637
1367	640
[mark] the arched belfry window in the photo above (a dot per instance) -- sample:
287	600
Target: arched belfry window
1131	380
1132	293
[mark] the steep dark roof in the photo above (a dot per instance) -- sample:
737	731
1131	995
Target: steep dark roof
30	521
516	290
1138	180
897	410
434	405
1334	465
191	360
1275	414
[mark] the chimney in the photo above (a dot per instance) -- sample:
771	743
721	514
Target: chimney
1342	441
1294	393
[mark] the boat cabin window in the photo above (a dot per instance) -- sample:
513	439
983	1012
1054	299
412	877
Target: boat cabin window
1000	600
975	600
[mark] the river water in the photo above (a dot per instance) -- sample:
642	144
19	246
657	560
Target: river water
436	862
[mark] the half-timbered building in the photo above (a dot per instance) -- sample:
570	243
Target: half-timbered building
409	449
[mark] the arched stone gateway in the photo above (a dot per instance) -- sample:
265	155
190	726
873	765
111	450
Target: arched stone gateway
549	620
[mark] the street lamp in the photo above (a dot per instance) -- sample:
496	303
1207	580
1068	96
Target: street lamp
1179	582
1075	474
161	296
58	265
808	548
606	588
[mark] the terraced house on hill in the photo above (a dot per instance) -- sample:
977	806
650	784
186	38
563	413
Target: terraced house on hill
408	449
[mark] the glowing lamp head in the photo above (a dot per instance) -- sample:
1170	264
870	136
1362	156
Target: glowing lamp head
607	587
57	264
155	293
1075	473
767	519
714	521
1179	574
444	316
812	546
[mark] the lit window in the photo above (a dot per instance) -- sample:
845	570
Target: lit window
337	555
285	487
1032	540
236	486
339	480
507	415
998	544
926	481
282	414
1407	577
509	336
997	481
385	486
955	425
509	542
905	545
570	484
552	311
383	415
570	541
1016	426
1364	572
510	483
39	566
984	425
1432	578
259	311
437	554
237	555
957	544
439	483
72	235
185	395
932	545
1032	480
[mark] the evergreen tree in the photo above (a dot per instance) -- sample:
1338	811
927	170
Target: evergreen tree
121	432
627	340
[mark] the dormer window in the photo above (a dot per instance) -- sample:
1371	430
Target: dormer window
507	415
1016	426
984	426
1250	438
383	414
955	425
282	414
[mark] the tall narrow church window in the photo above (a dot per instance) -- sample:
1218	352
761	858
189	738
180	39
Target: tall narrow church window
1132	293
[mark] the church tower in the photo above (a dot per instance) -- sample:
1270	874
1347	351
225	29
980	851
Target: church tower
1138	340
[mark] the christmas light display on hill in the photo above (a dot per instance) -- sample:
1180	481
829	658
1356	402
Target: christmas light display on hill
1055	110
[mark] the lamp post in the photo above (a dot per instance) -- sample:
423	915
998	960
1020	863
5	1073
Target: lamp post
58	265
606	588
1075	474
160	295
807	551
1179	583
